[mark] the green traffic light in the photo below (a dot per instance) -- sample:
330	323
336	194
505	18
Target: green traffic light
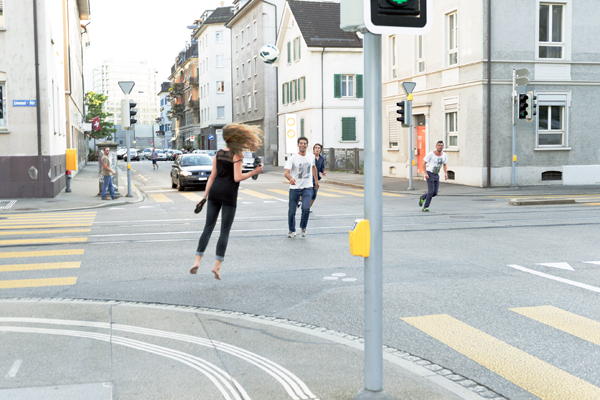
399	2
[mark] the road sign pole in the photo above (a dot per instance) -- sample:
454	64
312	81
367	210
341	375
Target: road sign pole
373	368
128	148
514	129
410	141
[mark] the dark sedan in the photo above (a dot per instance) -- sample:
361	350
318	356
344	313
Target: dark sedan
191	170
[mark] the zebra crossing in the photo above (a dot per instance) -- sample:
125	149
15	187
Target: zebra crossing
247	196
18	269
532	374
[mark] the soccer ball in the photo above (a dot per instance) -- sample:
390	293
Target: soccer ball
269	53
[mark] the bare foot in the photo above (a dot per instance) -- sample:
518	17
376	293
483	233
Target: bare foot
194	269
215	272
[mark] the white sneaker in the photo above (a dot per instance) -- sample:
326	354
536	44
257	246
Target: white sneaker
303	232
291	234
311	211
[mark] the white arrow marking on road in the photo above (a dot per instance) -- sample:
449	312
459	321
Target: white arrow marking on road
555	278
561	265
14	369
592	262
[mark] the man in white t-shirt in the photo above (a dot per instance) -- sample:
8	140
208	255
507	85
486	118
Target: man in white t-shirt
432	163
300	170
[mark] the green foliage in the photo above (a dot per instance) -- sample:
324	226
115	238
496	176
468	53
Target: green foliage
95	107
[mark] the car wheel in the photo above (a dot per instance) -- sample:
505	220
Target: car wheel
180	187
173	185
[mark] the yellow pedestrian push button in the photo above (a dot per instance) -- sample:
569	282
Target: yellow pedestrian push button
360	238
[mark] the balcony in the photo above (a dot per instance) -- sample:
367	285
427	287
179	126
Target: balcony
193	81
177	109
194	103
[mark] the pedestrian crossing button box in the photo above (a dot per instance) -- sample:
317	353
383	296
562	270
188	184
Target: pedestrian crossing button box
360	238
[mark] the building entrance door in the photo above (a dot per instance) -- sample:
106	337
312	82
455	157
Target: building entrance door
420	148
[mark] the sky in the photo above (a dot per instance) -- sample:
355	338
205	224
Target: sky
137	30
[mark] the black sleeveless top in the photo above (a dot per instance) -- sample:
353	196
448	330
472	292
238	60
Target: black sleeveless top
224	189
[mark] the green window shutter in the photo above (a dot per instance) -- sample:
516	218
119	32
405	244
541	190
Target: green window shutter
304	88
298	89
299	46
344	128
337	86
283	93
348	128
302	127
289	53
359	86
289	93
295	55
352	132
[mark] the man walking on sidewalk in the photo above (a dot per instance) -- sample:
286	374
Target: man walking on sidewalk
301	171
107	174
432	163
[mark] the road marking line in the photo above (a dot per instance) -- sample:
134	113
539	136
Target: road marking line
191	196
592	262
24	283
38	241
46	221
560	265
42	253
44	226
593	204
93	213
43	232
341	191
12	372
161	198
576	325
563	280
257	194
285	192
532	374
35	267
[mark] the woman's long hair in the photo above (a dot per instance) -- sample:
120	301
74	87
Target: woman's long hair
241	137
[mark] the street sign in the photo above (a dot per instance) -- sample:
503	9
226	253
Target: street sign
211	137
24	103
521	77
192	137
126	86
408	87
521	81
522	73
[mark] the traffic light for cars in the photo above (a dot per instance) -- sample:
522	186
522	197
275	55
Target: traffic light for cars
531	106
397	16
523	106
401	117
132	112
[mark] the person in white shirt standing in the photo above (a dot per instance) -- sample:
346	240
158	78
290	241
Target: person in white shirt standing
432	163
300	170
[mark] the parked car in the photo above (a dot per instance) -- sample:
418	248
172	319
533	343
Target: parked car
174	153
134	153
161	155
191	170
148	153
211	153
250	162
121	152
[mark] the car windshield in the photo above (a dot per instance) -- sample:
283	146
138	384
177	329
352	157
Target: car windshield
198	159
248	154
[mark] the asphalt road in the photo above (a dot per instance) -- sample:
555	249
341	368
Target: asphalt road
504	295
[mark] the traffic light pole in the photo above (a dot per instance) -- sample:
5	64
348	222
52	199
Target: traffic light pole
514	129
127	129
373	368
408	118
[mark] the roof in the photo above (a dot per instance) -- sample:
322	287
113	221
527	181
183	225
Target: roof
220	16
324	30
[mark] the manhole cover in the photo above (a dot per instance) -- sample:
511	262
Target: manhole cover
467	216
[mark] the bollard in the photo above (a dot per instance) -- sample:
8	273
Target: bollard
68	189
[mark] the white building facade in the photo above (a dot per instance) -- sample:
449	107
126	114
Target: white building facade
163	120
320	76
455	100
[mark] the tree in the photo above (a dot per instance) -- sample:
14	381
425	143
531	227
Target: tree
95	108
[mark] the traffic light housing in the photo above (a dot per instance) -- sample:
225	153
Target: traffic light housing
132	112
397	16
128	112
523	106
401	111
531	106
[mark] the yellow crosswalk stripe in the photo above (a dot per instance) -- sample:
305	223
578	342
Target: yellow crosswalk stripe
342	191
45	221
319	194
285	192
325	194
88	214
40	266
39	241
565	321
362	191
23	283
41	253
257	194
191	196
593	204
43	226
532	374
161	198
43	232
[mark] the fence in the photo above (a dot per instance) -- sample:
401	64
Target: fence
345	160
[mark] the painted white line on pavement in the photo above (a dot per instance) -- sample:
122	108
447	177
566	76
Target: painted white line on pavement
592	262
555	278
12	372
295	387
560	265
216	375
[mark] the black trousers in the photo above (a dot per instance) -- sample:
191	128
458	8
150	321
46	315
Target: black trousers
212	214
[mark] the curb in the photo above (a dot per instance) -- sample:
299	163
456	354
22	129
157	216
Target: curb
535	202
436	374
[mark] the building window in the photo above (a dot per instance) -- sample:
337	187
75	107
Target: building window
248	33
219	37
551	42
349	128
452	38
255	29
242	37
452	129
243	71
302	88
219	61
1	15
420	55
297	49
302	127
551	127
255	100
220	86
255	66
249	70
393	128
237	105
289	52
344	86
220	112
393	65
283	93
237	44
3	105
243	104
249	103
294	91
237	75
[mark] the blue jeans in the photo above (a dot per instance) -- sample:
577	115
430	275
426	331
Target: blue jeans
295	195
108	184
433	183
